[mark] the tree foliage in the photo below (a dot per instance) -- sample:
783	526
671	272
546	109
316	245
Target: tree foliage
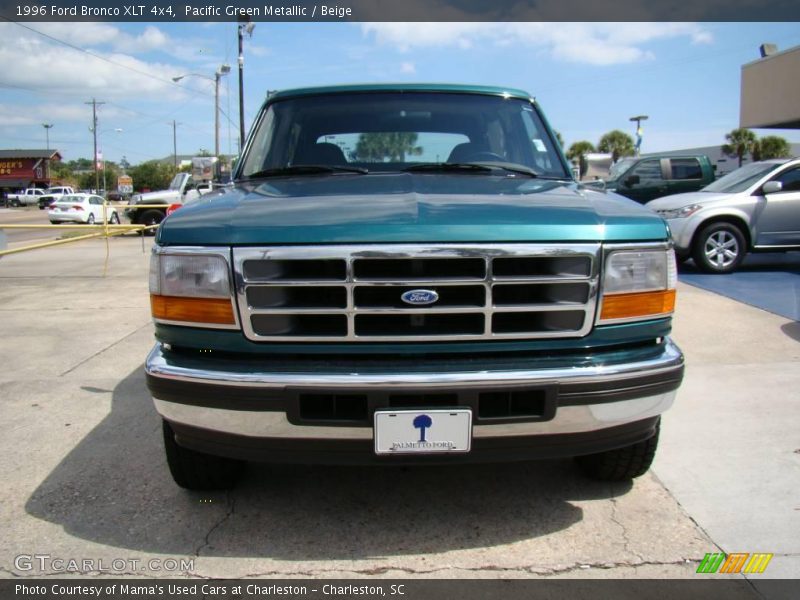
740	142
386	146
617	143
578	149
771	146
151	175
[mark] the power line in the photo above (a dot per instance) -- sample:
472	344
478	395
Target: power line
99	57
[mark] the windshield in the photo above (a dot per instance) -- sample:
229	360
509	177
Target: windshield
620	167
390	132
175	184
70	199
740	179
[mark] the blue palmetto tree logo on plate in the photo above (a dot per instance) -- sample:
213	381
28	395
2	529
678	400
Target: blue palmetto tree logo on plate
422	422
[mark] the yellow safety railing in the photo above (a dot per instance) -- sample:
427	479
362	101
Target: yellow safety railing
101	230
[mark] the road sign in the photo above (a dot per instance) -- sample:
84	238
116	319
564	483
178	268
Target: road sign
125	184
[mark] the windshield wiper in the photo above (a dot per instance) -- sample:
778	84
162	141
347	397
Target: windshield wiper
306	170
466	167
474	167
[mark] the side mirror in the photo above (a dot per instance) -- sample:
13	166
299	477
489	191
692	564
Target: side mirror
771	187
632	180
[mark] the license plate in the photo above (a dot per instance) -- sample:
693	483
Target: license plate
423	431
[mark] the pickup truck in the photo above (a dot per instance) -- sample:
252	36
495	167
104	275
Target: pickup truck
409	274
26	197
53	194
181	189
653	176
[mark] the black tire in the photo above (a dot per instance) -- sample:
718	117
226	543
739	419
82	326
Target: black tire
114	220
90	220
194	470
150	217
55	222
719	248
621	464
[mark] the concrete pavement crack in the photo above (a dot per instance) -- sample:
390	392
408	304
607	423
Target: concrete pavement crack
623	528
99	352
231	501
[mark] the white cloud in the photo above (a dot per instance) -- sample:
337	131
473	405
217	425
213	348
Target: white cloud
590	43
57	71
408	68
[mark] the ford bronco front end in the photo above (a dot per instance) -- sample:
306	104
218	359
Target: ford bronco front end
409	274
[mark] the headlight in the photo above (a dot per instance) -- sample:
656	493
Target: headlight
679	213
191	288
638	284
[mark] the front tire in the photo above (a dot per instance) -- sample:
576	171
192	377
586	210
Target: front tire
194	470
114	220
151	217
621	464
90	220
719	248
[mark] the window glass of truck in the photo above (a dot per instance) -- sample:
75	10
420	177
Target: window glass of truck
685	168
390	132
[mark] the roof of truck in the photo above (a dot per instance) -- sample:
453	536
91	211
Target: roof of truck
401	87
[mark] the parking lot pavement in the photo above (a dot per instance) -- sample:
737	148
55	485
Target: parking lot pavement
768	281
85	478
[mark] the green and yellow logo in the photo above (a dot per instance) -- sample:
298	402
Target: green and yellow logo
738	562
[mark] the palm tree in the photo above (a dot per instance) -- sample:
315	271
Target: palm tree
741	141
578	149
394	146
771	146
618	143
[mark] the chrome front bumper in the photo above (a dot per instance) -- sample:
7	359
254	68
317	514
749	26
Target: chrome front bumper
595	411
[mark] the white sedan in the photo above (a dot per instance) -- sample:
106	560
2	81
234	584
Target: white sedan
81	208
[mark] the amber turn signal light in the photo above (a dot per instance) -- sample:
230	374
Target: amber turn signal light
637	305
215	311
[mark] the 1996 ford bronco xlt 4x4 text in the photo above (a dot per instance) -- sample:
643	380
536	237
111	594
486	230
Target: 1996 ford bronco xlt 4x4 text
409	274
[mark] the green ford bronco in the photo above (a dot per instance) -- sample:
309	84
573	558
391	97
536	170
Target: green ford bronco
409	274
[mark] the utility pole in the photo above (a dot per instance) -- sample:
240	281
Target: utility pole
94	104
175	143
245	26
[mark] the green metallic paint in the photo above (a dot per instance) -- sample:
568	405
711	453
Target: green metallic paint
233	341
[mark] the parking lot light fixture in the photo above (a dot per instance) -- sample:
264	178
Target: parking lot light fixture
222	70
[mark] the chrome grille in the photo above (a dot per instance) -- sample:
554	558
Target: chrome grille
353	293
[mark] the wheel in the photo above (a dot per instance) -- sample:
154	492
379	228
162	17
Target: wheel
620	464
55	222
90	220
114	220
719	248
194	470
151	217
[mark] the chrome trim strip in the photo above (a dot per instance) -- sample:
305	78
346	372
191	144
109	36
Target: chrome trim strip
349	254
159	365
568	419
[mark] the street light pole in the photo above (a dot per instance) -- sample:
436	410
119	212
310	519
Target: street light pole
638	119
222	70
47	127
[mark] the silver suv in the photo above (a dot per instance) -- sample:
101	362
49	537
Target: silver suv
753	209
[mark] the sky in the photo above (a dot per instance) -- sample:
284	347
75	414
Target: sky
589	78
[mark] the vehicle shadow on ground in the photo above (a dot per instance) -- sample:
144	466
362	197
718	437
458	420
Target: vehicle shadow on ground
114	489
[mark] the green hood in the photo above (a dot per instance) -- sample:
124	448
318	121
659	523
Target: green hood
409	207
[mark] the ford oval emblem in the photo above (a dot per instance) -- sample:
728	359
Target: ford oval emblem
420	297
